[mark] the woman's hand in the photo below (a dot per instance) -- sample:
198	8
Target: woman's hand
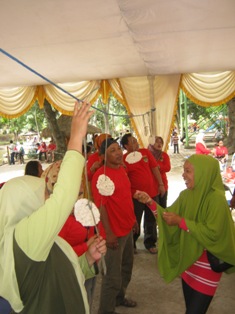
143	197
91	240
81	116
171	219
96	250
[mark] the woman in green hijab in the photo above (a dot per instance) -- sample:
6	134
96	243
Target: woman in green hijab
197	222
39	272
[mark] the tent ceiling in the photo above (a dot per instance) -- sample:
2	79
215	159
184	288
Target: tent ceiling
72	40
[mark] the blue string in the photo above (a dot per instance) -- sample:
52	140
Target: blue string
63	90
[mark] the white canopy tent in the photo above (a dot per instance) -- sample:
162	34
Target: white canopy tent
143	51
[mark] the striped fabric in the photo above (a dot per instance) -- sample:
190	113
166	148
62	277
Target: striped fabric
201	277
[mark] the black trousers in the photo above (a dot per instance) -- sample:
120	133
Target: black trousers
12	160
40	155
176	148
162	200
196	302
150	227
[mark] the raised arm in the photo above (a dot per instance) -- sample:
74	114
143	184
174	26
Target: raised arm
36	234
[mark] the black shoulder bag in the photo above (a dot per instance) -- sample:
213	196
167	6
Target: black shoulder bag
217	264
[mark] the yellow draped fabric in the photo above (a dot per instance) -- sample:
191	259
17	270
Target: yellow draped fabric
64	103
147	99
209	89
16	101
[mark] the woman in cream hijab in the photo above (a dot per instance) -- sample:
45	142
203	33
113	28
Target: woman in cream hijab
201	145
39	272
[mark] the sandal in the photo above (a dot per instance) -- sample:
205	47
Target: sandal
152	250
128	303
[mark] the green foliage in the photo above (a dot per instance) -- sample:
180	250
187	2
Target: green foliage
116	117
205	117
33	120
32	154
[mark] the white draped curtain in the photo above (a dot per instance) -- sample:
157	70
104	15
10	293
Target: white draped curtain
148	99
209	89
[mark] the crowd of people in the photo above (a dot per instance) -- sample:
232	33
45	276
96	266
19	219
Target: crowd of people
54	241
16	152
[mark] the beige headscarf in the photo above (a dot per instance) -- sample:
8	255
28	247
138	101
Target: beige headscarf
51	175
19	198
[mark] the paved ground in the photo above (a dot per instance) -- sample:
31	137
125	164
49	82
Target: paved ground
147	287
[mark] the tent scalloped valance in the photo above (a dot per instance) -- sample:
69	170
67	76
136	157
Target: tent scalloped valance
205	89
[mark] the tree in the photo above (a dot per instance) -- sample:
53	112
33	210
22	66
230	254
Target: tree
231	135
51	116
115	119
33	120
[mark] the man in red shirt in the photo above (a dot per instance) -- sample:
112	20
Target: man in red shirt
42	149
51	151
144	175
112	195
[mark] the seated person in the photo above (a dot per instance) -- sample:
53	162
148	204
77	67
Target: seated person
51	151
221	154
42	149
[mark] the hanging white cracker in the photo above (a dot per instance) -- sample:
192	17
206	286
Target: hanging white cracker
83	214
105	185
133	157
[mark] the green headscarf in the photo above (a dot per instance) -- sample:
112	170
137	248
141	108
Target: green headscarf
19	198
207	217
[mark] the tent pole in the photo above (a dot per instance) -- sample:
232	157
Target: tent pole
152	104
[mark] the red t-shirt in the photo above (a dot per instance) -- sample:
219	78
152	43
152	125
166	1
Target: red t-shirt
51	146
201	149
119	205
42	148
164	165
221	151
93	158
76	235
140	173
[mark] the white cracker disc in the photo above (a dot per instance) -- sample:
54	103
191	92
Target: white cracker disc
133	157
83	213
105	185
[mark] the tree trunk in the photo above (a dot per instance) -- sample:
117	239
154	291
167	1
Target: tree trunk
231	137
58	136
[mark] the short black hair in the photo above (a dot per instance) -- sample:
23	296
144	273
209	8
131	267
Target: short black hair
88	149
124	140
31	168
105	144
